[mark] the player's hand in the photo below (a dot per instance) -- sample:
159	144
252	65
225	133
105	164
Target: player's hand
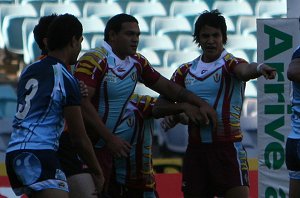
267	71
168	122
99	183
118	147
83	89
208	116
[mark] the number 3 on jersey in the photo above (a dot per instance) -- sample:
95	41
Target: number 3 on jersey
24	109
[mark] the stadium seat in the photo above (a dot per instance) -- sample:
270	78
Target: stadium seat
33	49
143	25
12	33
174	59
246	25
185	43
8	101
245	42
146	9
91	26
271	9
155	42
152	57
37	3
171	26
13	10
97	41
59	8
102	10
6	126
79	3
233	8
187	8
27	28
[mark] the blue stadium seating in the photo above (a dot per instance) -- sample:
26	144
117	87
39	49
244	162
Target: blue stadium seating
27	28
59	8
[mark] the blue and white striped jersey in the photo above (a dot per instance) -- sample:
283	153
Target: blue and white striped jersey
44	89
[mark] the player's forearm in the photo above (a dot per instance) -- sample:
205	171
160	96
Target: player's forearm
96	128
187	96
163	108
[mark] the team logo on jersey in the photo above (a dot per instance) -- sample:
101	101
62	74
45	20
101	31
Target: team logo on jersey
217	77
188	81
130	122
110	78
133	76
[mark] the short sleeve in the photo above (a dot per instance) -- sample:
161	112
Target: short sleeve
90	68
180	73
144	103
149	75
231	62
73	95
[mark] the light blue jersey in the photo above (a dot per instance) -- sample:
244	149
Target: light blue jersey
44	89
295	102
114	81
217	84
136	127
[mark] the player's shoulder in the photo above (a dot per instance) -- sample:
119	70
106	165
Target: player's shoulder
296	53
231	58
96	54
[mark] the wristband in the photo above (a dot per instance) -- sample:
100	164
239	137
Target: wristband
258	67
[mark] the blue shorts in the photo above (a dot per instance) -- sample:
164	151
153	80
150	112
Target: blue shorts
34	170
292	160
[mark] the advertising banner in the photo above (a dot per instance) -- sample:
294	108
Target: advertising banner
277	39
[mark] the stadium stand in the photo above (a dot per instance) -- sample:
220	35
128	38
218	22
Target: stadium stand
12	28
171	26
97	40
91	26
146	10
27	28
185	43
189	9
246	25
233	8
37	3
33	49
271	9
59	8
173	59
152	57
107	9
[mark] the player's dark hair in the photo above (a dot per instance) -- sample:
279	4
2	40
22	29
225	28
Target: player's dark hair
210	18
41	29
62	30
115	23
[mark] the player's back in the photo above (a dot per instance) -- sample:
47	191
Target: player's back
42	93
